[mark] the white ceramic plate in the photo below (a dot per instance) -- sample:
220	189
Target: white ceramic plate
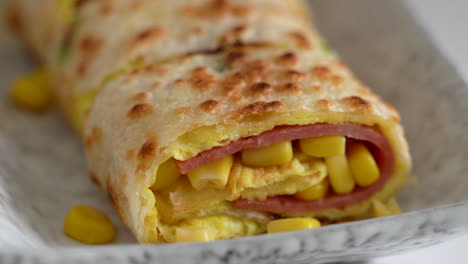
42	173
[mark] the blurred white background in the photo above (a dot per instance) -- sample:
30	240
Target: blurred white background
447	22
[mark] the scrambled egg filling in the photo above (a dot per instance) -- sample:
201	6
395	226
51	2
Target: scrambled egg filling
211	228
197	206
297	175
247	182
181	205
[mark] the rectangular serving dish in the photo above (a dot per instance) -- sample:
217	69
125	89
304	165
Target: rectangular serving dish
42	170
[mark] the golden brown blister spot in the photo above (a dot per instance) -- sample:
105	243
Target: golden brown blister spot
136	5
151	70
289	88
288	59
130	155
197	30
146	154
13	18
241	11
233	84
82	68
339	64
396	118
322	72
201	79
80	3
88	48
293	75
235	57
123	179
210	106
139	97
300	40
88	144
217	9
337	80
155	85
130	79
107	6
147	37
136	72
179	82
257	109
94	178
317	89
94	138
257	65
356	103
97	134
193	32
89	44
233	35
139	111
324	104
255	71
156	70
325	74
252	72
238	99
261	89
183	110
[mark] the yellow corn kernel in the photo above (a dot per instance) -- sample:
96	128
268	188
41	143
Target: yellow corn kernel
272	155
390	208
322	147
192	234
291	224
362	164
89	225
393	206
215	174
314	192
379	209
167	174
339	174
33	91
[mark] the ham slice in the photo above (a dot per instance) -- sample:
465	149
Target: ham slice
376	142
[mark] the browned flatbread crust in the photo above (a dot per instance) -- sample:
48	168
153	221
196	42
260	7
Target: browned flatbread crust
174	78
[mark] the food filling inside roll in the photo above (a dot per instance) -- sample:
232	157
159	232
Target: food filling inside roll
289	170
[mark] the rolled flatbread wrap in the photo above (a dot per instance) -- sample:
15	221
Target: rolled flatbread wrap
221	134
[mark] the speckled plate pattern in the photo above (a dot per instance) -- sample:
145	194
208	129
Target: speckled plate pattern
42	170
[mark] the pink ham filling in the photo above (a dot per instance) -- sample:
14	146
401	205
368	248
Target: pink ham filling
288	204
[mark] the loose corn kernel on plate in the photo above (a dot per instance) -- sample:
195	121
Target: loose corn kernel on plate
47	204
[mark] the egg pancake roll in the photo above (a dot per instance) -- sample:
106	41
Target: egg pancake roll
208	119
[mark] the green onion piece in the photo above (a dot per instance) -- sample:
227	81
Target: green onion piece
327	49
